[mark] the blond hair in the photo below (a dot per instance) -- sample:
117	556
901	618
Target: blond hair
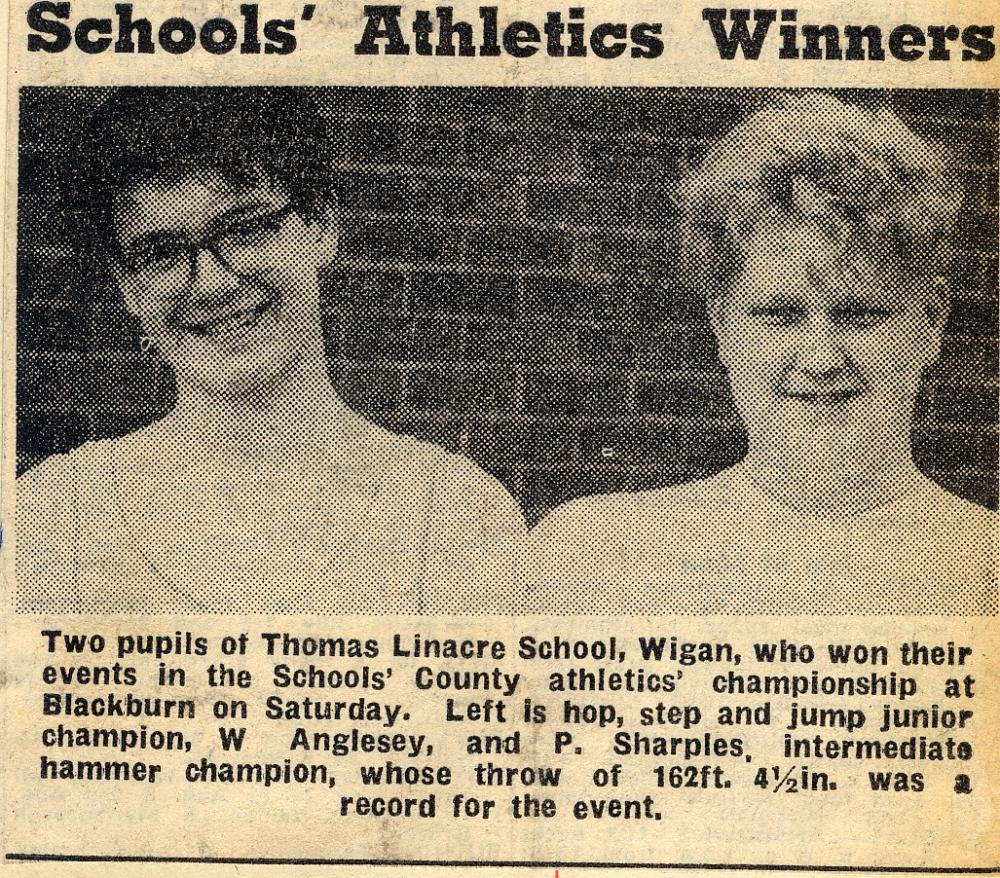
876	189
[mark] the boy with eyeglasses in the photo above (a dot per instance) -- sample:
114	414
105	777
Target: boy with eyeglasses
260	491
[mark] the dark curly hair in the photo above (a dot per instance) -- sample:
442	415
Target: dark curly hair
141	134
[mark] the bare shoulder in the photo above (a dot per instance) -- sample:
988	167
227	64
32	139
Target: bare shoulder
940	503
460	480
51	495
60	475
454	483
578	520
54	471
587	517
959	521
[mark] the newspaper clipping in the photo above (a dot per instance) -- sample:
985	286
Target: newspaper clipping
500	439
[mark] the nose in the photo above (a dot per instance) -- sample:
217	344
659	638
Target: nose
211	276
820	353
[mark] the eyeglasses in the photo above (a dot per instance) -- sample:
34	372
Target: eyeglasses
167	264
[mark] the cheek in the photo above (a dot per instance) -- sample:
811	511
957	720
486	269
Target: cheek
753	353
893	360
152	319
297	286
298	266
151	307
300	312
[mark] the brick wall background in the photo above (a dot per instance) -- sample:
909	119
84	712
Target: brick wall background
505	288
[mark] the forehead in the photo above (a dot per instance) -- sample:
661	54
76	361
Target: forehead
184	206
804	260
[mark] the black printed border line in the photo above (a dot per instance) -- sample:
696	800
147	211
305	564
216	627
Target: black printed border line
545	864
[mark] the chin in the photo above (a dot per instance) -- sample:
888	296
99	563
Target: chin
253	374
807	445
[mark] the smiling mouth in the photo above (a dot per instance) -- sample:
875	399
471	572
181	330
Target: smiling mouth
230	322
824	397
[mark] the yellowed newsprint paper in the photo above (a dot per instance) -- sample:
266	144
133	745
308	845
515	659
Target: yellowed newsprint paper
500	438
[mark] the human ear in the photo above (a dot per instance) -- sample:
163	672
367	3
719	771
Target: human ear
131	302
327	228
936	309
716	307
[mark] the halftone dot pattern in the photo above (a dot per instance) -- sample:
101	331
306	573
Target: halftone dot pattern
719	547
509	285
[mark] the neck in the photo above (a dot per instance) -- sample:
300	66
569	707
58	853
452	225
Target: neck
297	414
821	483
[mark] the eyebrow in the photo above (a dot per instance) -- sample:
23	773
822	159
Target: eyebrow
237	211
777	300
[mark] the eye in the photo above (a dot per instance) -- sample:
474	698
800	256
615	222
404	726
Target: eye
159	254
859	316
777	314
253	230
